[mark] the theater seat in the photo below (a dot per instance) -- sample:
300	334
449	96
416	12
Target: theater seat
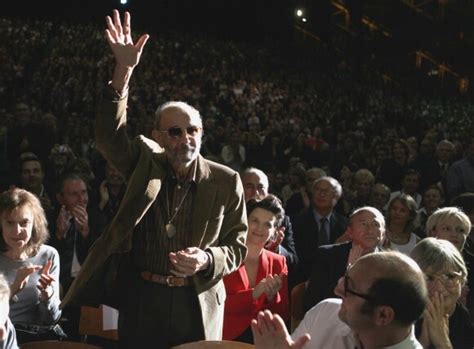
214	345
296	304
57	345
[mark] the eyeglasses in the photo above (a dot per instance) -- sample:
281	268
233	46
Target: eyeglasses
177	132
324	191
449	280
348	290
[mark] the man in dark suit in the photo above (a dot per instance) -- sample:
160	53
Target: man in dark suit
366	231
434	169
318	225
74	228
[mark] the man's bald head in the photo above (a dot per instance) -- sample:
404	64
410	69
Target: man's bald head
398	282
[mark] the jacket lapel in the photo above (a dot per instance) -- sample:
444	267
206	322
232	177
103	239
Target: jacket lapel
204	202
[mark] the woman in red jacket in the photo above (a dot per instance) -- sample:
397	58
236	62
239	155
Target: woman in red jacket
261	282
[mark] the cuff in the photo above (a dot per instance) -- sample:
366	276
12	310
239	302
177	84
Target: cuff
210	268
114	95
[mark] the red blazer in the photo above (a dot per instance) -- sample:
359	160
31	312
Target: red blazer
240	308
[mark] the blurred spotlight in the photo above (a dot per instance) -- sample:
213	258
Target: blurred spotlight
304	19
299	12
123	2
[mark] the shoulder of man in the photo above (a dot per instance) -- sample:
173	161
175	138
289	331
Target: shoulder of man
149	143
216	168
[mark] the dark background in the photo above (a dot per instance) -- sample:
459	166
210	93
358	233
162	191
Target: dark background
445	32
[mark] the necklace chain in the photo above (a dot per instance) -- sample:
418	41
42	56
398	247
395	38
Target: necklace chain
176	210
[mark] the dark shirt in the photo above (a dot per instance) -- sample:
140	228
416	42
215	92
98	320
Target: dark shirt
461	330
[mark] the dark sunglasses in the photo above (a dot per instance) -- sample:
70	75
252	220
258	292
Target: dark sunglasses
177	132
348	290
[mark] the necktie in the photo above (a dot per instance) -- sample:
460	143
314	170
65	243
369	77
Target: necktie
323	231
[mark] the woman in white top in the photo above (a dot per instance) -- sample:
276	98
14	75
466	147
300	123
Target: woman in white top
401	214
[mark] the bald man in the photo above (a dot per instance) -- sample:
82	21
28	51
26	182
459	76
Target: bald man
382	295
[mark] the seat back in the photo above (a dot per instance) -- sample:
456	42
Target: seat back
91	324
57	345
215	345
296	304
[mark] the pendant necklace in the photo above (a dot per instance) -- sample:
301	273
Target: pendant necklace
170	227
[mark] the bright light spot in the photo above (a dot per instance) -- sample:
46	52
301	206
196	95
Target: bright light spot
299	12
123	2
304	20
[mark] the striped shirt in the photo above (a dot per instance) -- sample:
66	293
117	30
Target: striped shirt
151	244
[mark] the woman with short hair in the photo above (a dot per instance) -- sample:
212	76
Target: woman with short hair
445	323
449	223
261	282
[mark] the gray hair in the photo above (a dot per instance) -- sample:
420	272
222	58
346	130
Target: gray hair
372	210
253	170
182	106
334	183
438	254
364	173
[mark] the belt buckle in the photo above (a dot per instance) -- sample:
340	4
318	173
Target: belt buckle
168	281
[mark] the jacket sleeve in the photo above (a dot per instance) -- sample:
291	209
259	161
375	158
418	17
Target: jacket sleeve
231	251
111	136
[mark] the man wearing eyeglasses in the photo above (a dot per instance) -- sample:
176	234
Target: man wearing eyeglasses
319	224
382	295
181	225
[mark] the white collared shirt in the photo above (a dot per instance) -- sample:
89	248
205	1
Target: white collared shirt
328	331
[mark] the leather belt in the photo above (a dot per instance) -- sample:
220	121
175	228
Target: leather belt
168	280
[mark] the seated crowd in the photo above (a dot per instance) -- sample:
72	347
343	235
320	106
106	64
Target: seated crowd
383	217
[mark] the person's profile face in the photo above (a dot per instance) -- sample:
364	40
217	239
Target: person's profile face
353	289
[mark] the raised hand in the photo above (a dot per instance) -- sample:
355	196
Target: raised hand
189	261
272	244
62	222
354	254
45	282
22	276
269	332
82	220
270	285
437	322
127	54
